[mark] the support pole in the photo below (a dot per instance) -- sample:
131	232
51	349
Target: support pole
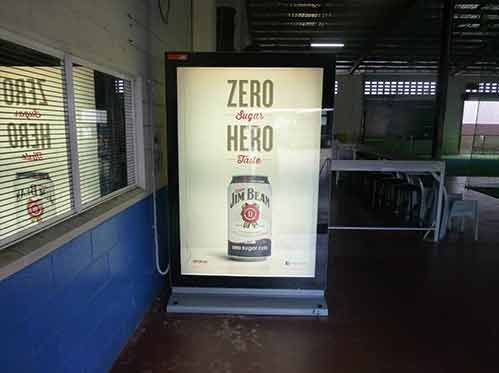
443	78
204	25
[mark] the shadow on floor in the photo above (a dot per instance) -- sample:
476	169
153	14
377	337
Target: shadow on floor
397	304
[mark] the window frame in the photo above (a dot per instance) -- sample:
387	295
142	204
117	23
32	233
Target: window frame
75	167
67	61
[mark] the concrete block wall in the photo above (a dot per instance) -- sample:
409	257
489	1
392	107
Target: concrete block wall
73	310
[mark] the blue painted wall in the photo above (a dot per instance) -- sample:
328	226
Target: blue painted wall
73	310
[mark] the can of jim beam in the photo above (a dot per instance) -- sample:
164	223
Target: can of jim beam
250	218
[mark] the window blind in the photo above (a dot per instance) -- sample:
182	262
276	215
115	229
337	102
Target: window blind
56	123
105	135
35	173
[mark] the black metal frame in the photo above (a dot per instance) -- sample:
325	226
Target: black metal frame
181	59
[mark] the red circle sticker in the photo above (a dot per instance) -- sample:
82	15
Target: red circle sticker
250	213
35	209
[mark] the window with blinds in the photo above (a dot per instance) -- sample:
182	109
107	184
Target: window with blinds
57	158
105	133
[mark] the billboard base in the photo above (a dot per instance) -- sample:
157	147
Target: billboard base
277	302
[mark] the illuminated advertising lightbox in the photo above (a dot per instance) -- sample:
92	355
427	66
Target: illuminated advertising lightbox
248	158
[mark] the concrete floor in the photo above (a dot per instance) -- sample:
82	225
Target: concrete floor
397	304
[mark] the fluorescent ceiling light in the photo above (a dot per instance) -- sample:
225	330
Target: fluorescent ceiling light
327	45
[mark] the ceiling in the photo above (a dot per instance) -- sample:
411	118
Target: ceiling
381	35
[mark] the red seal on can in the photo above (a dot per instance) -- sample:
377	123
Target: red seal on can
35	209
250	214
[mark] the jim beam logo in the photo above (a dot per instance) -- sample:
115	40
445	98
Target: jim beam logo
35	209
36	191
249	135
250	212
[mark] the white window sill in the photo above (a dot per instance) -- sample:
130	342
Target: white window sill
26	252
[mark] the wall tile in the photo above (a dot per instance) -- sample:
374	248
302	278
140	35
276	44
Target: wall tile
105	237
48	358
118	262
68	305
20	291
15	347
76	255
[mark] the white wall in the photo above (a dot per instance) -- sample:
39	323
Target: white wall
127	36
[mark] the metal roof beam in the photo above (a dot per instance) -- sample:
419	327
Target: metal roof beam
386	25
489	48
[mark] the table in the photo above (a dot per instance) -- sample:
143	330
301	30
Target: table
434	168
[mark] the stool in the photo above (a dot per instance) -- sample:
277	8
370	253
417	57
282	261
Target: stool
387	196
462	209
410	196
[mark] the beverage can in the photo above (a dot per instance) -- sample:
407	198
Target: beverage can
249	218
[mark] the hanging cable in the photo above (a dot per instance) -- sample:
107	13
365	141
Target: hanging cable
153	182
164	10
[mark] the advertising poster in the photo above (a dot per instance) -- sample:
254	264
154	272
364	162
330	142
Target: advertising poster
249	154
